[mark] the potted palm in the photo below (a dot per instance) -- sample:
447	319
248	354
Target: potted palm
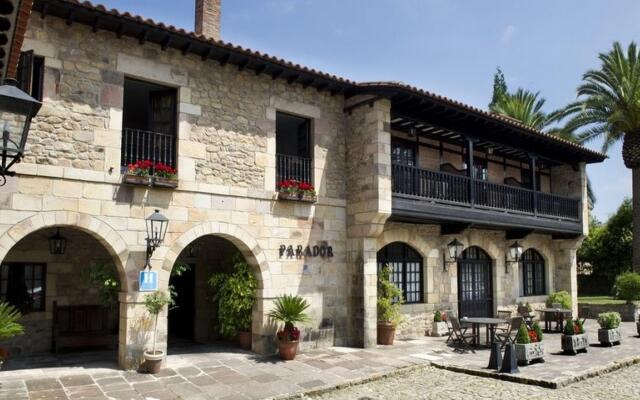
234	295
609	332
289	309
439	326
574	339
155	303
9	327
529	346
389	301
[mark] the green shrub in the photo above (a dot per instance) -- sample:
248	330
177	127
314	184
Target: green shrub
538	331
389	298
523	335
628	287
562	297
9	325
437	317
609	320
154	303
579	326
569	328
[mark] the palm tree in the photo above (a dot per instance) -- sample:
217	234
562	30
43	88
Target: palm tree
608	108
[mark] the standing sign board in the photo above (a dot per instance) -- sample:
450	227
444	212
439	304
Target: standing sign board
148	280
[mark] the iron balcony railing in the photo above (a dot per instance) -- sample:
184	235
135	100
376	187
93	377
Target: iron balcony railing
140	145
461	190
293	167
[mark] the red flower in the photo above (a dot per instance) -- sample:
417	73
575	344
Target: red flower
289	334
533	336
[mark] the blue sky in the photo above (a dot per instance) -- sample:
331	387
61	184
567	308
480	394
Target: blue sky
450	47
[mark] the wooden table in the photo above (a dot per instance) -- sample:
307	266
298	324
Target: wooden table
556	315
490	323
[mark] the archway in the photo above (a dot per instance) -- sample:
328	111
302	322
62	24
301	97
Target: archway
533	275
68	294
406	270
475	285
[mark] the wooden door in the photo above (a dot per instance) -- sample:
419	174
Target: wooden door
475	294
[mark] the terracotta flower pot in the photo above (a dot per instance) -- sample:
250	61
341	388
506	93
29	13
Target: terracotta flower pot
153	361
244	340
287	349
386	334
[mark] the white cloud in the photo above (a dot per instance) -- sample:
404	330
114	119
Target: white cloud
507	34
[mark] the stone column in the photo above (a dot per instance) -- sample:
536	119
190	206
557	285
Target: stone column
368	207
566	268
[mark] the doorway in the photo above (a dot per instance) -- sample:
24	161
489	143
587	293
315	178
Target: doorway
182	313
475	294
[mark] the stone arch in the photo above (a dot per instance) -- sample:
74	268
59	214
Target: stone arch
100	230
417	242
245	243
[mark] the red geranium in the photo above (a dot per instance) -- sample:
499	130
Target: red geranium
140	168
289	334
164	171
533	336
293	186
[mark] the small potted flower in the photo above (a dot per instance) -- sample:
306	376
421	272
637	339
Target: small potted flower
529	346
574	339
307	192
139	173
164	176
289	309
154	303
609	332
389	301
439	326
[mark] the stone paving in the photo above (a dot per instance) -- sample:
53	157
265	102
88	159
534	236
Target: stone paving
210	372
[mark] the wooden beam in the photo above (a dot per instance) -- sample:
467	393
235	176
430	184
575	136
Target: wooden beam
276	74
166	41
224	59
453	228
260	68
187	47
336	91
142	38
292	79
70	18
322	86
205	54
120	30
517	234
308	83
243	64
96	22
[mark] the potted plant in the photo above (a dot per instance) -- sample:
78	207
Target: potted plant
439	326
574	339
389	301
529	346
164	176
154	303
291	189
609	332
524	309
234	295
9	327
289	309
562	297
139	173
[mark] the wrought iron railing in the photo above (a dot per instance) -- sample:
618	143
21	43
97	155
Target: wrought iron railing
293	167
461	190
140	145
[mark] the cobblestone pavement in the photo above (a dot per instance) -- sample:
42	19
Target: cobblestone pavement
434	383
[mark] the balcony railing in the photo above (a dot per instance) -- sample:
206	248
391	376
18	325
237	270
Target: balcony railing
293	167
140	145
460	190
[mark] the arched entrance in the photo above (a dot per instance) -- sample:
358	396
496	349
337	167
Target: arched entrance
65	281
406	267
194	316
475	292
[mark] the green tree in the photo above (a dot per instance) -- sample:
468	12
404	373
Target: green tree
499	87
608	108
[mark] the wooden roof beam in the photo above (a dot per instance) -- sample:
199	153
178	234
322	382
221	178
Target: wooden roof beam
224	59
243	64
142	38
276	74
96	23
186	48
260	68
165	42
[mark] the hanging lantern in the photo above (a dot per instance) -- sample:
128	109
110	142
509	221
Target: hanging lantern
156	230
515	250
57	243
454	248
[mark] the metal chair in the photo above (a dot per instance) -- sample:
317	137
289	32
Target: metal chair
508	334
505	315
460	335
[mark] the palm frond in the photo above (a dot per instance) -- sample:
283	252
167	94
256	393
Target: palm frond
9	325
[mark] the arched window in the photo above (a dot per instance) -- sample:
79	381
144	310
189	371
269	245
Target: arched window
406	266
533	276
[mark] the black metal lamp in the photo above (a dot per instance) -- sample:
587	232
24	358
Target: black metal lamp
156	230
515	252
57	243
16	111
454	248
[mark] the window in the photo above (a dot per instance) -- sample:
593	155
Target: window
479	169
533	277
148	123
406	267
31	74
403	152
293	148
23	285
525	178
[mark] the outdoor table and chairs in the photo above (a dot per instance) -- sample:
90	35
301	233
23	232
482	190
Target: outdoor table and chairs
490	323
508	334
554	315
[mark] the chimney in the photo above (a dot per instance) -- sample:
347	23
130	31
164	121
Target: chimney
208	18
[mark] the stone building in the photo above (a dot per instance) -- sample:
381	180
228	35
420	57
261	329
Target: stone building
399	173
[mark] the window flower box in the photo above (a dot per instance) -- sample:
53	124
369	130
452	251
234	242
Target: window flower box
292	189
136	179
164	176
148	173
529	346
574	339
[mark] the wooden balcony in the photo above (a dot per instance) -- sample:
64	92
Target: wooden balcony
432	196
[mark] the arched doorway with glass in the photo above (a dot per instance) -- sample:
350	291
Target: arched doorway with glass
406	270
197	286
65	282
475	286
533	276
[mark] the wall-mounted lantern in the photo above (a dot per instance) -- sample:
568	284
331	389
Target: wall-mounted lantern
57	243
515	252
156	230
16	111
454	250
